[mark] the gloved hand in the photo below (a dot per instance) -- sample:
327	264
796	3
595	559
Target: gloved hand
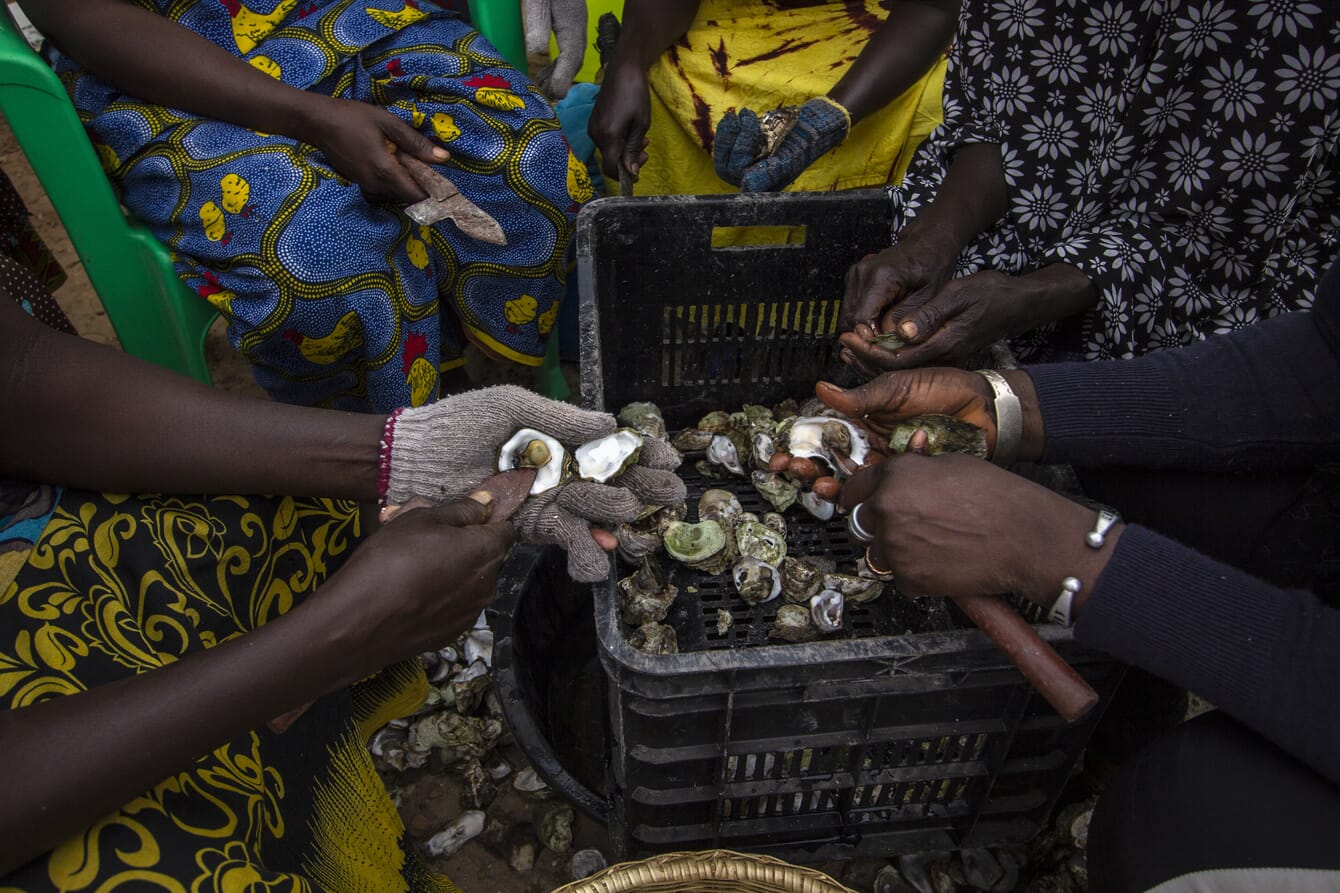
446	449
567	20
740	149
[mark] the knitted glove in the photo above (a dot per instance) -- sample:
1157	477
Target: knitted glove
567	20
740	148
446	449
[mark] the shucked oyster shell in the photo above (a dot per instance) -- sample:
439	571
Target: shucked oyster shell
826	611
654	638
776	489
756	581
801	580
854	589
944	434
756	540
706	546
605	458
721	506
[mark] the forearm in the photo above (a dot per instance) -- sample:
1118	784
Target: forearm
970	200
1261	398
899	53
649	28
71	760
157	60
1265	655
136	427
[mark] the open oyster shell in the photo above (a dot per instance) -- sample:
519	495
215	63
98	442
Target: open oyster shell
605	458
837	442
753	539
854	589
706	546
816	506
826	611
756	581
528	448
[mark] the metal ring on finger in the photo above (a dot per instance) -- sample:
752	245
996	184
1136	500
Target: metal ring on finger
855	528
878	572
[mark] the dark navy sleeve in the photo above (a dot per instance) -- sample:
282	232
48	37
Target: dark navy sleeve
1268	656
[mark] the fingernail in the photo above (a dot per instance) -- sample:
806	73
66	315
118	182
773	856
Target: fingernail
844	355
483	497
909	330
439	152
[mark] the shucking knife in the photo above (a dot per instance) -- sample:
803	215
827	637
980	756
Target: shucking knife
445	201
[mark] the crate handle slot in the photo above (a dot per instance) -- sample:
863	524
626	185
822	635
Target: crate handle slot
754	237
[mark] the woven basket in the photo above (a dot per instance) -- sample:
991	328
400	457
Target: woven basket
706	871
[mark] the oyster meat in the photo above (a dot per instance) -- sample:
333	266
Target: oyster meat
837	442
887	340
605	458
529	448
944	434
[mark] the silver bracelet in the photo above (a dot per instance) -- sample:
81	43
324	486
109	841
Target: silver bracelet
1009	418
1060	609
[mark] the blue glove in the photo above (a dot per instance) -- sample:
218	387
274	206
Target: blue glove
741	153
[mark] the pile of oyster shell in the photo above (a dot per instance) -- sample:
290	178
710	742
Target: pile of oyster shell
725	537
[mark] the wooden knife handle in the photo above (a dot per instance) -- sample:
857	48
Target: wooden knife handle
1054	679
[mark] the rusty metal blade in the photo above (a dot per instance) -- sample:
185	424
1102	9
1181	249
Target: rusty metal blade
445	202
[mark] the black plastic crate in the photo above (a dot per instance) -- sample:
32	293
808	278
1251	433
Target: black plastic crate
908	730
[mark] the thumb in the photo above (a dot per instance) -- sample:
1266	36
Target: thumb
413	143
473	509
855	402
930	317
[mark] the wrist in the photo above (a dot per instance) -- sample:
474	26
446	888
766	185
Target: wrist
1031	436
307	117
1079	544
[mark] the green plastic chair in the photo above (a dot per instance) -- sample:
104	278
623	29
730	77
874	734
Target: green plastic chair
154	315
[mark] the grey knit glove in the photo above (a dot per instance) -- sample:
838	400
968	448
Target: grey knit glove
567	19
446	449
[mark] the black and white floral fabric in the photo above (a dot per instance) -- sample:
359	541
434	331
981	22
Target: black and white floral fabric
1182	153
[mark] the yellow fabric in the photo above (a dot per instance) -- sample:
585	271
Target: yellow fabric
751	54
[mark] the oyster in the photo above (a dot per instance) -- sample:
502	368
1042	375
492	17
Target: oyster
776	489
654	638
753	419
706	546
721	506
786	409
634	543
775	521
708	470
645	595
724	621
725	450
944	434
755	540
691	441
607	457
887	340
854	589
644	418
793	624
556	829
447	842
826	611
762	449
756	581
529	448
801	580
718	422
816	506
837	442
529	783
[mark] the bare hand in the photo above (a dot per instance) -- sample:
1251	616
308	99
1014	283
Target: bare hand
887	285
620	120
360	142
954	525
964	317
417	583
880	404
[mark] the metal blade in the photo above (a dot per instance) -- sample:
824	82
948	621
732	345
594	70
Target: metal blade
445	202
